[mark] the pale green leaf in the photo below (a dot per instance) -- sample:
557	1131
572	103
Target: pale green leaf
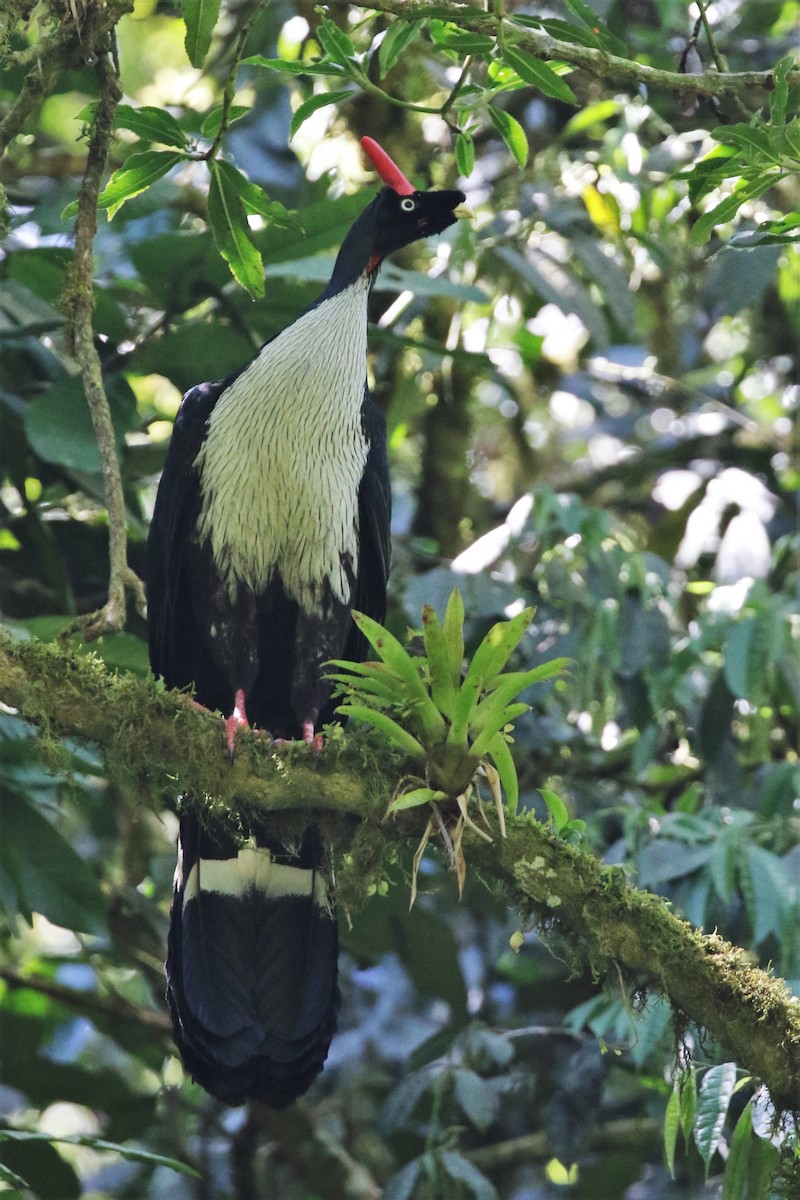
213	122
716	1090
200	17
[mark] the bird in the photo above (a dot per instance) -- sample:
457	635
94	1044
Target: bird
271	524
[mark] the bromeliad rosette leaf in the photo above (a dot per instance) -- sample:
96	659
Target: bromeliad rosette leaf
454	725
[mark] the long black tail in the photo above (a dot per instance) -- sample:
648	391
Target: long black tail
251	963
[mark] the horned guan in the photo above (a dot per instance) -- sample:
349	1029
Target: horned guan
270	525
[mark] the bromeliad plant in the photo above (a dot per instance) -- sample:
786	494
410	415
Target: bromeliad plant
456	728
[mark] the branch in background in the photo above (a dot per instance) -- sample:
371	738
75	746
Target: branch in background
113	1008
622	72
163	743
79	303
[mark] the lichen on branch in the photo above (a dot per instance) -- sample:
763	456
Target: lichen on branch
157	744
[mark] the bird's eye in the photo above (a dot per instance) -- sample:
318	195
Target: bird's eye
407	204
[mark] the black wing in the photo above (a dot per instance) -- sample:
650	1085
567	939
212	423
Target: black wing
374	522
172	541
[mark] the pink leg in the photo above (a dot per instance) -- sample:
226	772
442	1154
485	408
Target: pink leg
237	718
316	740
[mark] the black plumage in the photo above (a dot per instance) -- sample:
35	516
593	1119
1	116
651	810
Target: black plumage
271	524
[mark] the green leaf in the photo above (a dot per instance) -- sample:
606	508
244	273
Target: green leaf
425	715
45	872
444	681
728	208
413	799
228	222
337	44
590	18
672	1125
252	196
461	1169
539	74
498	645
687	1090
465	153
151	123
716	1090
401	1186
398	36
201	17
780	92
753	139
315	66
559	814
140	171
9	1176
131	1153
765	886
453	627
735	1179
401	737
59	426
511	132
499	752
213	122
314	103
477	1100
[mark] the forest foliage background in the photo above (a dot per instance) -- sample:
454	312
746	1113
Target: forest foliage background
590	392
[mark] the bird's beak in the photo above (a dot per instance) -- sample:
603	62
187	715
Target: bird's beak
464	210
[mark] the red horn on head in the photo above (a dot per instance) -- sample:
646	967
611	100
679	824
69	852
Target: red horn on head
389	171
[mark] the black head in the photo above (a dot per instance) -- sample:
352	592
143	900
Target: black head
398	216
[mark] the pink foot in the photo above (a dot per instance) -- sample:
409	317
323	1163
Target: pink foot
232	723
315	740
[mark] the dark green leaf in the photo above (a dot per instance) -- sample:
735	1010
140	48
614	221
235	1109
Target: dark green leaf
716	1090
59	426
540	74
398	36
734	1182
687	1089
228	221
131	1153
315	66
479	1102
579	35
213	122
151	124
46	1172
460	1168
590	18
765	885
511	132
401	1186
47	874
138	173
201	17
314	103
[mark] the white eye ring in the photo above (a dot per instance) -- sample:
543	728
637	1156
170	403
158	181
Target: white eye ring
407	204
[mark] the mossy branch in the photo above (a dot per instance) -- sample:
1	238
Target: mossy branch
611	68
161	745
